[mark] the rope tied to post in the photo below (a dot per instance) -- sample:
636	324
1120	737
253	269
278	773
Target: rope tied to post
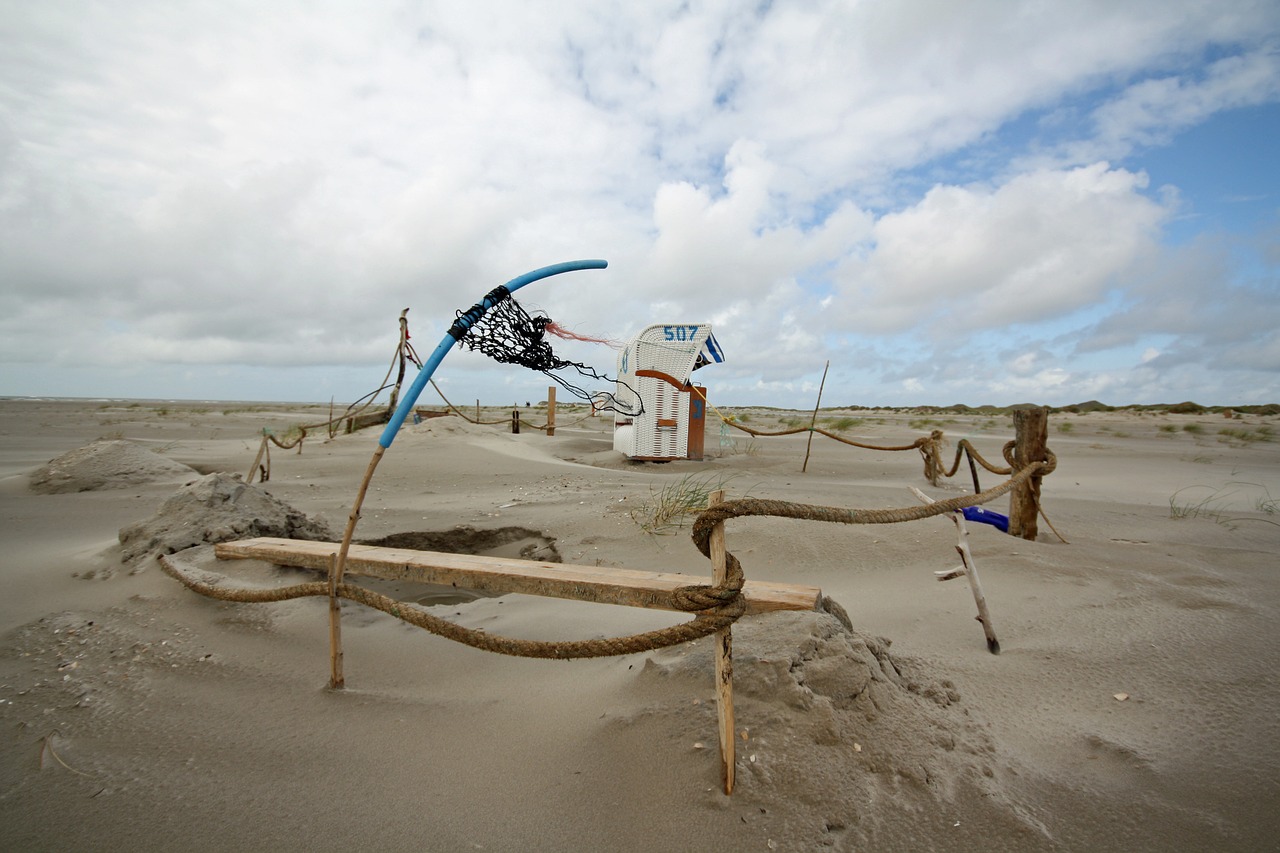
716	606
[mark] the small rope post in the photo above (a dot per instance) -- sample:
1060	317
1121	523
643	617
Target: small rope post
814	420
336	681
1031	438
724	653
551	410
930	454
402	353
253	469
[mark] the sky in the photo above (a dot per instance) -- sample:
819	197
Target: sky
988	202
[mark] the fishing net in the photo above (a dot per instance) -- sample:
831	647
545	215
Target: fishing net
507	333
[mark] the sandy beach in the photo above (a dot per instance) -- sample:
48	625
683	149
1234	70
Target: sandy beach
1134	705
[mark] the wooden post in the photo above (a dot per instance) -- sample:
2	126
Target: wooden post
335	626
262	448
402	355
724	655
477	411
515	421
1031	437
551	410
814	419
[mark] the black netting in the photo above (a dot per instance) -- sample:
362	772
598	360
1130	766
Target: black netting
508	334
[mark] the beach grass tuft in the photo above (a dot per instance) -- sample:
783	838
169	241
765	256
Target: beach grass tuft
667	509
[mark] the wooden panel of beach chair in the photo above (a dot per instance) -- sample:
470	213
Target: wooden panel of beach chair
598	584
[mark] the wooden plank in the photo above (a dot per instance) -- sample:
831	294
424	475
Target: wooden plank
502	575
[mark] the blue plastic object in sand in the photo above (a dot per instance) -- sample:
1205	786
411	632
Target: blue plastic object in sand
986	516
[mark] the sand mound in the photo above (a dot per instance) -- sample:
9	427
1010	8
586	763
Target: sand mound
217	508
106	464
832	723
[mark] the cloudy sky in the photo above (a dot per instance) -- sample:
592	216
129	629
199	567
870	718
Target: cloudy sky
983	202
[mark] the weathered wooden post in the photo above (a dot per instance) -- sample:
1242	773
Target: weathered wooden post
1031	439
402	355
515	421
551	410
724	656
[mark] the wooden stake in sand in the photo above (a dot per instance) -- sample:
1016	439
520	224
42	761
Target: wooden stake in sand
1031	438
337	568
724	655
970	571
551	410
814	420
335	625
403	356
253	469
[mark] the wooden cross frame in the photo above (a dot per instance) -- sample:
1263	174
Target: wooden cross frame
559	580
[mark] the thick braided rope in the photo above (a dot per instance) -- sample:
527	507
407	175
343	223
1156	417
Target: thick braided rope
964	445
291	444
717	607
523	424
919	442
785	509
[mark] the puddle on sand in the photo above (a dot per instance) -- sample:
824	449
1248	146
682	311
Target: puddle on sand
509	542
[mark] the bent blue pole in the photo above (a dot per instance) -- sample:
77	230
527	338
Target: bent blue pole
465	320
460	327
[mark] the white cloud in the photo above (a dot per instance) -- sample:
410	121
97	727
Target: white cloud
1042	245
1153	110
269	184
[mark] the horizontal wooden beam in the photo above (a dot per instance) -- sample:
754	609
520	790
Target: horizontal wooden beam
502	575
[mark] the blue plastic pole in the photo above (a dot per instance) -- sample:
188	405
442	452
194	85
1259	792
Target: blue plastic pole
461	325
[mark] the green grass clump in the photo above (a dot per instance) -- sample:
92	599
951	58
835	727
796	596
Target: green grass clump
668	508
1213	505
1244	436
842	424
923	423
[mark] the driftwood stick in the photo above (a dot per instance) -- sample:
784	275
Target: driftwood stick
724	655
814	420
338	566
970	571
